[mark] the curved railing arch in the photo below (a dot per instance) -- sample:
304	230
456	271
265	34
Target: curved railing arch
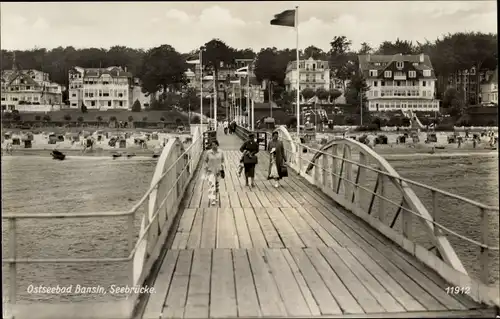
364	183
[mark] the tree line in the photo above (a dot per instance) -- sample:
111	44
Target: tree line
161	69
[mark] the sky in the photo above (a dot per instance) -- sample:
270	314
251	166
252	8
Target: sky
187	25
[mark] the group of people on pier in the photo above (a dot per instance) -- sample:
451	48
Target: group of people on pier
214	164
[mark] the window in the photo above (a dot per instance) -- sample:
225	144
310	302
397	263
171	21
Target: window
373	72
400	64
412	74
424	83
120	103
73	104
424	93
92	103
109	103
388	74
382	83
415	64
375	83
427	72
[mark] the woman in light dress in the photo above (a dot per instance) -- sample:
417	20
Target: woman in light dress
214	161
277	159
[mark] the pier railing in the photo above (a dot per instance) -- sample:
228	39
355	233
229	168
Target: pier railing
156	209
364	183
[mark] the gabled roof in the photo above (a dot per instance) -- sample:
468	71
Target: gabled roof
112	71
20	74
367	62
493	78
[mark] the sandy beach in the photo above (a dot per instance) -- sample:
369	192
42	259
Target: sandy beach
74	147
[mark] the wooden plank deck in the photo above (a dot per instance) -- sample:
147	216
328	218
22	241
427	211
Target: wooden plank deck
287	252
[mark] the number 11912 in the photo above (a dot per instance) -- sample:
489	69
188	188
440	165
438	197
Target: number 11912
457	290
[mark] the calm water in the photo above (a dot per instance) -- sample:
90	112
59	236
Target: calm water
41	185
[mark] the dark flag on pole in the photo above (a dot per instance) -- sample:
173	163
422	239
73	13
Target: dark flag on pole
285	18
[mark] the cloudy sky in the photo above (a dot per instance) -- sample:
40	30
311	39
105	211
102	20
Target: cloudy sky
187	25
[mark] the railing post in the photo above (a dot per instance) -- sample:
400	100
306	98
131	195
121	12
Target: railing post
485	273
12	265
406	220
298	149
360	179
348	187
131	244
317	171
334	169
437	231
324	173
382	191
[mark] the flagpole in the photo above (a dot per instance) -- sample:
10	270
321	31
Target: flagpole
298	70
215	102
248	96
201	89
240	109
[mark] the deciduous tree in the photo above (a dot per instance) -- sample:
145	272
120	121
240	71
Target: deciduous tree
162	69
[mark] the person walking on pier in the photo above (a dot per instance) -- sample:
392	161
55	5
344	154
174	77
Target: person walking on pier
277	160
249	159
214	169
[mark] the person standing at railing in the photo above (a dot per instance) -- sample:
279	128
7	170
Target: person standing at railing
277	169
214	169
249	160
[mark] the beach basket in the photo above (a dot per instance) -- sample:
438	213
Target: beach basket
27	143
123	144
16	141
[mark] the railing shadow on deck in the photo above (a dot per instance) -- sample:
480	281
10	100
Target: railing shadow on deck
156	209
365	184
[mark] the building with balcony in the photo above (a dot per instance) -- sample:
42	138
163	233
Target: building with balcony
314	74
489	89
399	82
101	88
29	91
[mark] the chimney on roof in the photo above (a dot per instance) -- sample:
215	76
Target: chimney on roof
368	58
125	69
421	57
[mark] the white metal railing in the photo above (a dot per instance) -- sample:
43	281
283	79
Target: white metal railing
342	168
176	166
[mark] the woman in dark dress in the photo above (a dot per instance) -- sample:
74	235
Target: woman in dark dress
249	159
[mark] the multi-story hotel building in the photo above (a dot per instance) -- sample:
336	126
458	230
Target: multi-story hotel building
489	88
399	82
314	74
29	91
100	88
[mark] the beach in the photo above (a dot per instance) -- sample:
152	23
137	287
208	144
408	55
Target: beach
71	146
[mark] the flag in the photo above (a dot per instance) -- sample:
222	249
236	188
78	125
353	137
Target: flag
285	19
235	81
242	71
193	62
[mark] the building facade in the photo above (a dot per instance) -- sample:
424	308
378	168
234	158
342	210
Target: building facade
314	74
29	91
399	82
489	89
101	88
